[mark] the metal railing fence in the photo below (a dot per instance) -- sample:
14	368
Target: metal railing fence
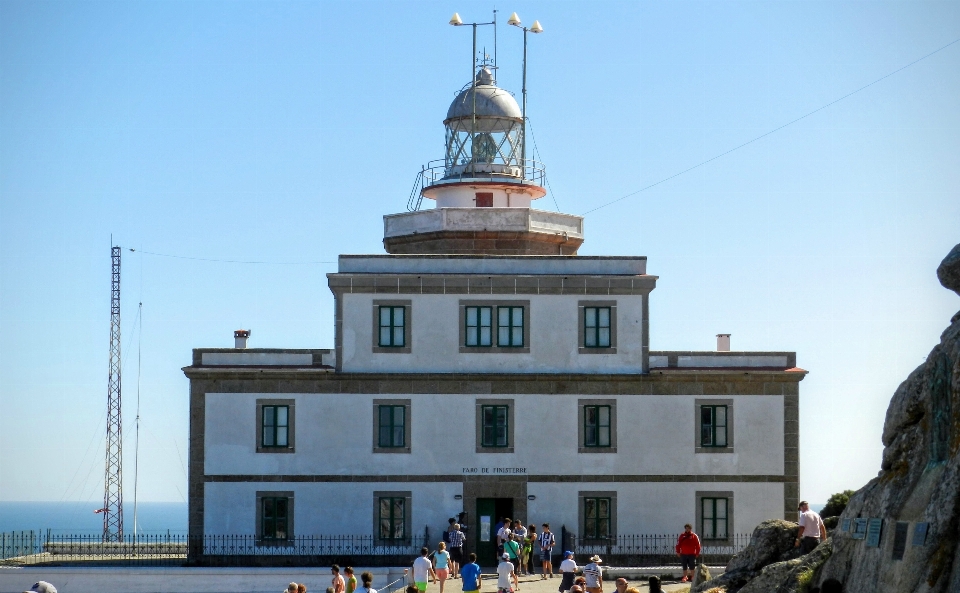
171	549
651	549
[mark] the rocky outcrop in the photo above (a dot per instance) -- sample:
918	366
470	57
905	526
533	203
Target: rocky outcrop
918	483
771	543
917	489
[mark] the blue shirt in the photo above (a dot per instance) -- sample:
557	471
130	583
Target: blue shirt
469	574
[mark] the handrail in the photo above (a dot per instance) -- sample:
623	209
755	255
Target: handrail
438	171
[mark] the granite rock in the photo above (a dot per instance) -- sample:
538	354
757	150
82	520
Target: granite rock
701	575
918	482
949	271
772	542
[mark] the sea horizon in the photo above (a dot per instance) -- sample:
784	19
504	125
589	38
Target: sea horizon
79	518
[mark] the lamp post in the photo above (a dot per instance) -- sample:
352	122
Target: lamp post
535	28
456	21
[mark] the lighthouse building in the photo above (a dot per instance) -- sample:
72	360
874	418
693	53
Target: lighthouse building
480	369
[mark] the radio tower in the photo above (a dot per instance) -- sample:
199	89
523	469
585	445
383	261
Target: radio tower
113	474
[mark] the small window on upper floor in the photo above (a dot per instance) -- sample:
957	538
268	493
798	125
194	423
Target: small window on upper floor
275	425
484	200
391	326
714	424
479	327
491	326
598	327
510	327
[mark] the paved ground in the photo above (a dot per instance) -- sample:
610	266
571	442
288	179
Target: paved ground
537	585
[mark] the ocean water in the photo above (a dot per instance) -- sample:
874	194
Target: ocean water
79	517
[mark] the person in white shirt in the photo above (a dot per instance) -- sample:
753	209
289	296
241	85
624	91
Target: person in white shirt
811	531
503	535
506	576
568	569
367	579
422	569
591	572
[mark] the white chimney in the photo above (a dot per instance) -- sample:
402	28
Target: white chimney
240	338
723	343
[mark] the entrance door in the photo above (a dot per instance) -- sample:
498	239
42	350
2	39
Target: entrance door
489	512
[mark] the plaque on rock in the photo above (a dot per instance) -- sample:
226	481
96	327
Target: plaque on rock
845	525
900	540
859	528
874	527
920	534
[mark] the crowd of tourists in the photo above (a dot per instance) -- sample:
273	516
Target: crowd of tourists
515	557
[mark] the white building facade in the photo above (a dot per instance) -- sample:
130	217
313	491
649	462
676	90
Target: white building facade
483	369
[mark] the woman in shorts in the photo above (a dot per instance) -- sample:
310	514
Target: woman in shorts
441	561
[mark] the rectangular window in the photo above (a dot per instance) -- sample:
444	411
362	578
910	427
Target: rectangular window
392	327
495	426
510	327
484	199
392	426
596	517
392	513
275	427
479	326
596	327
274	518
596	426
713	426
714	516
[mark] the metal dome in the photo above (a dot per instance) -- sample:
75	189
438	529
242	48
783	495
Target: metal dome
492	101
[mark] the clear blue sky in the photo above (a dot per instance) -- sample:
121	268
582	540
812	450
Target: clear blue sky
283	131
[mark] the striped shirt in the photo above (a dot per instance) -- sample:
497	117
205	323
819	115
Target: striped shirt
456	539
546	540
591	572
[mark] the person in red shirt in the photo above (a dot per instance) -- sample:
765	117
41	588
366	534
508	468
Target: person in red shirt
688	548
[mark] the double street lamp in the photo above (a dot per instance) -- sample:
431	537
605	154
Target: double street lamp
514	20
535	28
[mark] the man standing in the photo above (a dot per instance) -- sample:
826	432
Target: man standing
811	531
506	575
503	534
546	541
470	573
456	549
337	582
591	572
423	568
688	548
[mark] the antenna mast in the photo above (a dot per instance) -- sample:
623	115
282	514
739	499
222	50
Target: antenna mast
113	472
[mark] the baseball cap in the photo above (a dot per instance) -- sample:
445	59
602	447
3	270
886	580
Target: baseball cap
567	554
506	556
